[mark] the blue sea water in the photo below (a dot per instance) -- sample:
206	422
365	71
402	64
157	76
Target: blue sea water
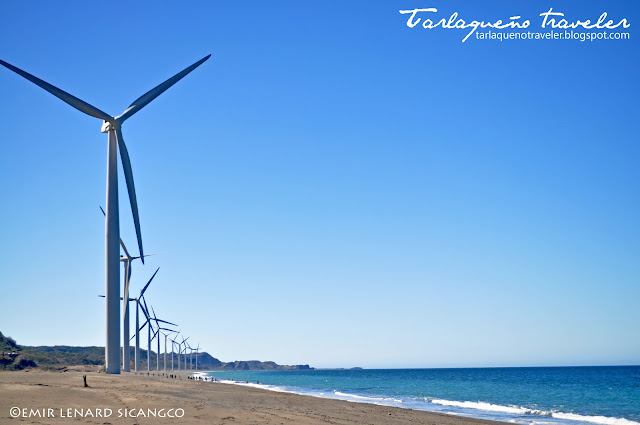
540	395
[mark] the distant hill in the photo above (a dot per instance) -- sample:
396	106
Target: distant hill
207	362
17	357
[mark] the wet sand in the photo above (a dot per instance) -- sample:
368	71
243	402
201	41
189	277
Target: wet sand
60	398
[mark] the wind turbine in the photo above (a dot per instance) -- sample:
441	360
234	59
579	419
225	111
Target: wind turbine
145	311
173	343
127	260
190	356
157	334
139	306
197	349
184	342
165	347
112	126
158	321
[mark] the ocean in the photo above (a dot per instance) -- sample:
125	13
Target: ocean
535	395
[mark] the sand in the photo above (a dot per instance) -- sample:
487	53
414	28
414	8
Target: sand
60	398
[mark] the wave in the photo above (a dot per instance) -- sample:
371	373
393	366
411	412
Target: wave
259	386
519	410
479	405
361	397
603	420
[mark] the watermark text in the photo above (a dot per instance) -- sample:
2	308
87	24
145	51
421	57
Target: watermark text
427	18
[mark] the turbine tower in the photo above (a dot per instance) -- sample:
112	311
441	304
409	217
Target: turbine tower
112	126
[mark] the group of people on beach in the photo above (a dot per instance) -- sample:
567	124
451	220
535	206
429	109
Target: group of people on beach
195	378
166	375
200	378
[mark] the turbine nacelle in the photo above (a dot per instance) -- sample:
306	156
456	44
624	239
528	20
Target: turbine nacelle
109	125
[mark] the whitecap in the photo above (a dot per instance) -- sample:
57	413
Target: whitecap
603	420
480	405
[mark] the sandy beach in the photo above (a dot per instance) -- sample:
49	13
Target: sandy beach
41	397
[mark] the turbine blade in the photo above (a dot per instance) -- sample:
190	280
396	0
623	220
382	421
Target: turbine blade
125	298
154	314
146	98
164	321
147	255
121	243
146	311
80	105
128	176
148	283
128	278
124	248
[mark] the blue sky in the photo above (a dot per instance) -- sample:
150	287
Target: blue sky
331	187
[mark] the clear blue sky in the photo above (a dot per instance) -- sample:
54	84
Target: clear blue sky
331	187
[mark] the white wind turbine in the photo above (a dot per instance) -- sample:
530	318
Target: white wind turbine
127	260
173	343
165	347
197	349
139	306
158	333
190	356
184	342
112	126
145	310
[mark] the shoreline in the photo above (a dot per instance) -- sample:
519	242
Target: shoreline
203	402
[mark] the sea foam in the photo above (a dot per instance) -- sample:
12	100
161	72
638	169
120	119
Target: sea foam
603	420
519	410
479	405
366	399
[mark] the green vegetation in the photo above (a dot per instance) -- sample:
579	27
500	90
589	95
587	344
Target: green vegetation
13	356
7	344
